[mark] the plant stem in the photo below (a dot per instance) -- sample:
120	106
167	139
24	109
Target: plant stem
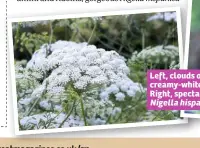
143	38
32	107
67	115
83	112
54	118
168	36
51	32
95	24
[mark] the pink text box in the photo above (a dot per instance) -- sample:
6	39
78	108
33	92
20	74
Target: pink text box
173	90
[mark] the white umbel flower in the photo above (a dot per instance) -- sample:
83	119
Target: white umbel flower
80	69
120	97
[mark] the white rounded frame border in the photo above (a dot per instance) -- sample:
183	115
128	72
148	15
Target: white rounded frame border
99	127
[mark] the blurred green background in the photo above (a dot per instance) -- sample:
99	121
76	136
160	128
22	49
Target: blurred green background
124	34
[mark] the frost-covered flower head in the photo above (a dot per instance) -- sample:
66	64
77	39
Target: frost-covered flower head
66	69
82	65
158	55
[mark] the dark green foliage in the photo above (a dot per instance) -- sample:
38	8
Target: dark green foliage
124	34
26	43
